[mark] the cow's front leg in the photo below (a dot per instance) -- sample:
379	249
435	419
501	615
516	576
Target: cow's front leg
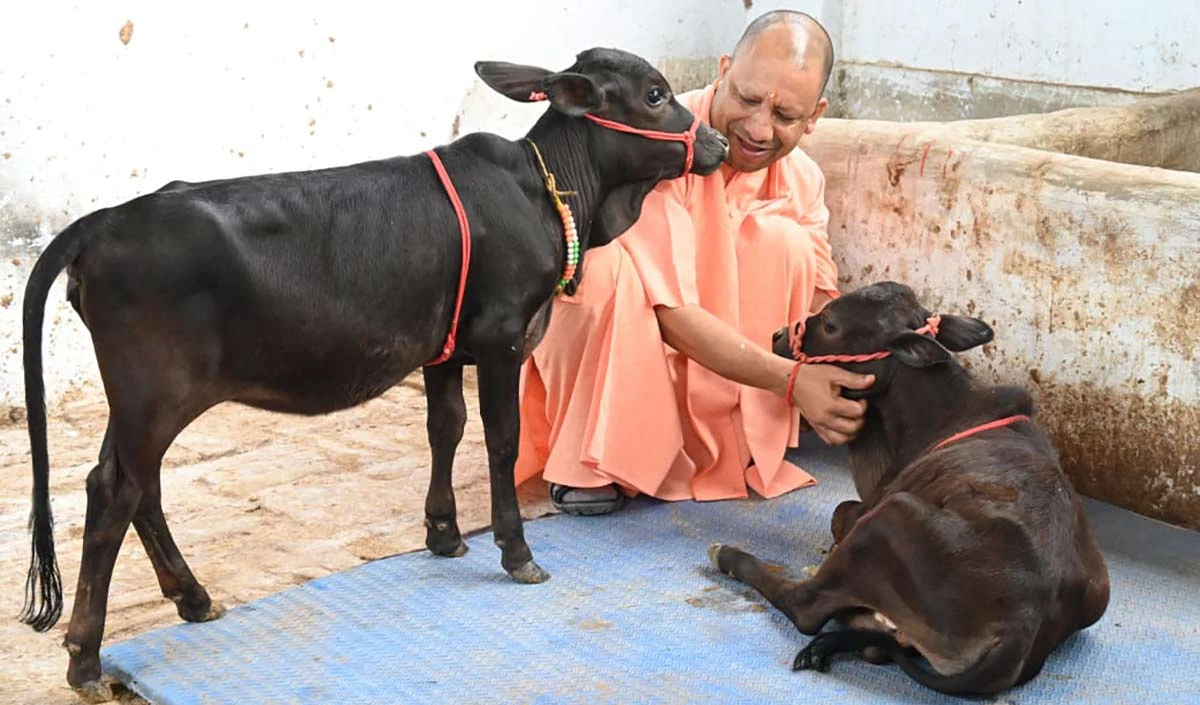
446	417
499	378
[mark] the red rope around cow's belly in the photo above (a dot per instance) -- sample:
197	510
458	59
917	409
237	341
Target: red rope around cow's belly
465	230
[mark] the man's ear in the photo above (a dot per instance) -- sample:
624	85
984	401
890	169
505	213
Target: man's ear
822	104
619	212
960	333
916	350
723	65
515	81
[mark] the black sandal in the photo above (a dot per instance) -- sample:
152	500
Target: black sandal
589	501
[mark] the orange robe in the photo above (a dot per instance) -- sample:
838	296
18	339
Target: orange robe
605	400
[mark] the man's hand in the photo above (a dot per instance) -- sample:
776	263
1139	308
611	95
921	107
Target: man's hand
817	393
706	339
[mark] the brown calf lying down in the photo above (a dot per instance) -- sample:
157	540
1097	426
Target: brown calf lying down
971	551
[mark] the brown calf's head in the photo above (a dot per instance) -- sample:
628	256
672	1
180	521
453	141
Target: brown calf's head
880	320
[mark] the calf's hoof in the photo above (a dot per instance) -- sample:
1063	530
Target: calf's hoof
719	555
443	539
199	610
529	573
814	657
95	691
453	550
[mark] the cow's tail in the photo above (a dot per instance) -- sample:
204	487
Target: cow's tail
996	671
43	585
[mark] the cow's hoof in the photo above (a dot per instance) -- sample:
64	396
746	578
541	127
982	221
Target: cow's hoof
205	610
443	539
448	546
718	551
530	574
714	550
814	657
94	692
454	551
216	610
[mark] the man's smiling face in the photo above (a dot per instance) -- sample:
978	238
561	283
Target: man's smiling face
766	100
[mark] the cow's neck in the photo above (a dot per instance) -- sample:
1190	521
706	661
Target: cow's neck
563	144
921	408
920	405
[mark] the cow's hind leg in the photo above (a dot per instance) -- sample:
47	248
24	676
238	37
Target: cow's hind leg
150	402
499	379
112	499
174	577
446	417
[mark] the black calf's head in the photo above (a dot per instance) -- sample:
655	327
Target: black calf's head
622	88
882	317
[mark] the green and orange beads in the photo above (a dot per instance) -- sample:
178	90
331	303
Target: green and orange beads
572	240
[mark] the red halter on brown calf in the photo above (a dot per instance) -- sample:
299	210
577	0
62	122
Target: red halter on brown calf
931	328
797	337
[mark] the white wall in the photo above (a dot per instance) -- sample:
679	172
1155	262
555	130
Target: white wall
1135	46
224	88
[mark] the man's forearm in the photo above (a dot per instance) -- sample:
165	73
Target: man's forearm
719	347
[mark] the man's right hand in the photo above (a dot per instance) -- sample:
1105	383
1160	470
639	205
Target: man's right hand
719	347
817	394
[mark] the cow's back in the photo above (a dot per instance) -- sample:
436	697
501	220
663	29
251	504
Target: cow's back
1033	549
316	289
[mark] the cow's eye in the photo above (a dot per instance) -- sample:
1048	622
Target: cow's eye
655	97
829	328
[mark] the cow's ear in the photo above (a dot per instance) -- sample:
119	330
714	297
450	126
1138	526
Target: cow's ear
574	93
524	84
570	93
916	350
620	210
960	333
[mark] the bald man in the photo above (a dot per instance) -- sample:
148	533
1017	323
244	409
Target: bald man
656	376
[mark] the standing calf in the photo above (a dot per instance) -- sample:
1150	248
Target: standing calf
969	546
311	292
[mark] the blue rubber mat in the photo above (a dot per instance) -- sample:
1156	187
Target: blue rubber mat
633	614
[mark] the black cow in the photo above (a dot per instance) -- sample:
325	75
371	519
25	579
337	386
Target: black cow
314	291
969	546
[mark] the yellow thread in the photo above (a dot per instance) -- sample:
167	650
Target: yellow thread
548	178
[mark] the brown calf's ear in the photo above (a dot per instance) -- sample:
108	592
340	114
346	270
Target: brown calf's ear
518	82
574	93
960	333
916	350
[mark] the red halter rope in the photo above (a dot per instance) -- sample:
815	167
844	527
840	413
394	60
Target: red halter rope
931	328
998	423
465	229
797	334
688	138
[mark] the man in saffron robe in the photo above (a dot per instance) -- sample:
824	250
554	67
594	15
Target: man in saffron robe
656	376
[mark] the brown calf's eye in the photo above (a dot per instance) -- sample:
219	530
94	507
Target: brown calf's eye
655	97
